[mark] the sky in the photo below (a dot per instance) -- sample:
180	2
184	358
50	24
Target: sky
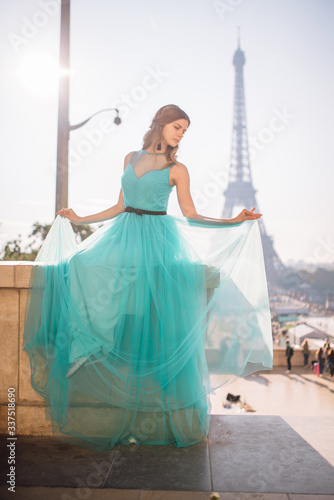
141	55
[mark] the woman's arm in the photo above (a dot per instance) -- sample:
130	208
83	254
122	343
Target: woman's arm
182	181
109	213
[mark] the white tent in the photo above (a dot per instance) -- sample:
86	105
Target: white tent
298	333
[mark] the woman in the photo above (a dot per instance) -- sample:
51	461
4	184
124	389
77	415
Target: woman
306	352
130	331
326	349
321	360
331	362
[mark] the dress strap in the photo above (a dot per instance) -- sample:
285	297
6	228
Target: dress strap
133	152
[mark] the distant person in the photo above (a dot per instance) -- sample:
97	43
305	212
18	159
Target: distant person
326	350
330	358
306	352
288	354
321	360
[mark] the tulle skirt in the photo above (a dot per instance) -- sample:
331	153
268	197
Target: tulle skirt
130	331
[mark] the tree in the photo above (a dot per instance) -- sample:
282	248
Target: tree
13	249
320	279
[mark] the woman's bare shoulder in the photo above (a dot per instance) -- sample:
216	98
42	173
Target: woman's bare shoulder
179	174
180	170
180	167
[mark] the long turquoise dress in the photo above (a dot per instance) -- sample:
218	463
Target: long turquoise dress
130	331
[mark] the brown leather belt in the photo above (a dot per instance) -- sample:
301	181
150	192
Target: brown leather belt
141	211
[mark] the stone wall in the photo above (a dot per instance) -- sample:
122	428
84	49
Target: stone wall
14	363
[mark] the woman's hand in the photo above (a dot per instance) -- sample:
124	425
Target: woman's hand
246	215
69	214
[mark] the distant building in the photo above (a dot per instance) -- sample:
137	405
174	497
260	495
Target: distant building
330	302
315	329
297	334
292	310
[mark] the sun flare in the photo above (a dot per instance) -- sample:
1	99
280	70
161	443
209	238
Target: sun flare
39	72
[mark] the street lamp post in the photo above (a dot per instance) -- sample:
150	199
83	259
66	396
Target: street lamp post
63	104
64	127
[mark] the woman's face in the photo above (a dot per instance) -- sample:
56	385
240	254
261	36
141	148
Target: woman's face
174	131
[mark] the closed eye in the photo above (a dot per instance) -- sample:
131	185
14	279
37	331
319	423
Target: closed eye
178	128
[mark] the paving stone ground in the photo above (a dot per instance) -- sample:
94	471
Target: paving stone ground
282	451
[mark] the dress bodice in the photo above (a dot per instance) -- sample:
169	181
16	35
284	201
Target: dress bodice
145	184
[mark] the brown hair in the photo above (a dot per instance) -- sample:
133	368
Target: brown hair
167	114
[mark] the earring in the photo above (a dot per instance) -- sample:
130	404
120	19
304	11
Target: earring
159	146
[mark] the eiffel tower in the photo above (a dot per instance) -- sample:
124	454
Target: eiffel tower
240	191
